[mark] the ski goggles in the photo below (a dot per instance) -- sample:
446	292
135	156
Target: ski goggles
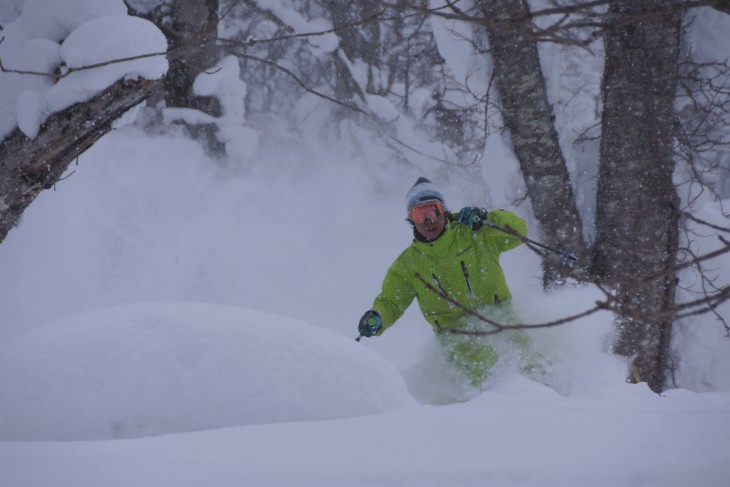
433	210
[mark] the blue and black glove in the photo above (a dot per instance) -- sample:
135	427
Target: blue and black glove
473	217
370	323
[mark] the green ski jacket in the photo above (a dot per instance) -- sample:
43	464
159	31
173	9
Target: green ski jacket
462	264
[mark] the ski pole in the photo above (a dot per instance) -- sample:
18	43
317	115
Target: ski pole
567	255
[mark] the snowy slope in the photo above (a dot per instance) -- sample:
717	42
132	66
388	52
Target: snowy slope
148	369
174	367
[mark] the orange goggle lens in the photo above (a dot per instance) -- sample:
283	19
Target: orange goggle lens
427	211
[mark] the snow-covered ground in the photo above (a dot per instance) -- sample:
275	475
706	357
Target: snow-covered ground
520	434
288	403
269	387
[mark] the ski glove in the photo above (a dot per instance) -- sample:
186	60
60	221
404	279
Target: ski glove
370	323
472	217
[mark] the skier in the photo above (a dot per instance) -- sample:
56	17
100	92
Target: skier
458	254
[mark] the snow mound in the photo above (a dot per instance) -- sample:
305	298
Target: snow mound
150	369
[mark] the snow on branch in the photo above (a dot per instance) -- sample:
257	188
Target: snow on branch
31	165
93	56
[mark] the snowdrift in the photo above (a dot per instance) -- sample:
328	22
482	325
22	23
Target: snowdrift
151	369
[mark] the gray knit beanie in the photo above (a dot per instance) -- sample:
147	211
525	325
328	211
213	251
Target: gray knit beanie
422	192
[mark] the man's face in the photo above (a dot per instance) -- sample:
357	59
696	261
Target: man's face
429	220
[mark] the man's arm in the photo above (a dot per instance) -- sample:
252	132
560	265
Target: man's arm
396	295
510	222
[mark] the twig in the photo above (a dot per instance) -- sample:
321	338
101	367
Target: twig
499	327
87	66
705	223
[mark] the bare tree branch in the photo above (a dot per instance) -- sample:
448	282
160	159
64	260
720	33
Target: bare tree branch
589	17
70	70
302	84
192	44
614	302
499	327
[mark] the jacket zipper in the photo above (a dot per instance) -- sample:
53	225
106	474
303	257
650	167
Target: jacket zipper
466	276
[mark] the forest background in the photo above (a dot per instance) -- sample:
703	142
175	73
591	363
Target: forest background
198	199
256	153
615	113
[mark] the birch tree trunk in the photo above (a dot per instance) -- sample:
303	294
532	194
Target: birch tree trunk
528	117
637	204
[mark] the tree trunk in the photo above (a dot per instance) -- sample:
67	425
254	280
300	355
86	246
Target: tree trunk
191	29
27	166
194	29
528	116
637	212
360	43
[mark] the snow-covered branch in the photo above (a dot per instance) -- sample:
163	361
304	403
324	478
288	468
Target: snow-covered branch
31	165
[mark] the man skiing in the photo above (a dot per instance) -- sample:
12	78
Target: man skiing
458	255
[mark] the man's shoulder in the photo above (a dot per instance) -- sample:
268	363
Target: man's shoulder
410	252
403	257
413	254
